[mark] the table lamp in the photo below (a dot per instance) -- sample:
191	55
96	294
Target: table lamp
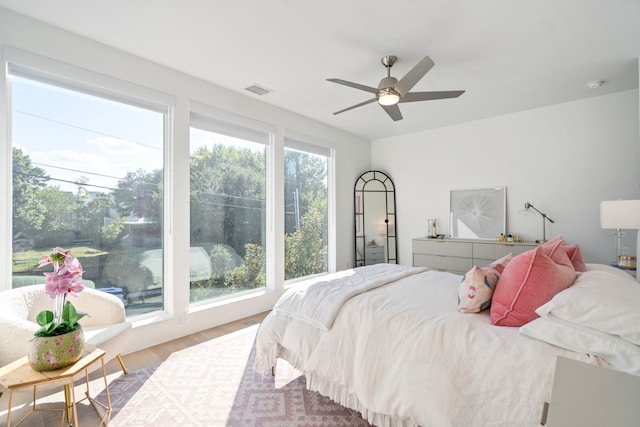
620	215
545	218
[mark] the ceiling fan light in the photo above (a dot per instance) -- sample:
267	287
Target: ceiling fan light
388	98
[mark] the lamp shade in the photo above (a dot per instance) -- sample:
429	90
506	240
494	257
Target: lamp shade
389	98
620	214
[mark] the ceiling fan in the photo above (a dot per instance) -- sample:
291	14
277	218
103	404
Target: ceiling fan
391	91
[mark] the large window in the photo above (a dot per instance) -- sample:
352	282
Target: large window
99	167
88	176
305	210
228	194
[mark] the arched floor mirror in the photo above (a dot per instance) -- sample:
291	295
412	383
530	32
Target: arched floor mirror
375	219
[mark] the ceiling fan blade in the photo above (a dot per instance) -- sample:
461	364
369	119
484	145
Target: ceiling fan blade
368	101
429	96
411	78
354	85
393	111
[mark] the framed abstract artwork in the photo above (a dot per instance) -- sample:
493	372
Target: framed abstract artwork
478	213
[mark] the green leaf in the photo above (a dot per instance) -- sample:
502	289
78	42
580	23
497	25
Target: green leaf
70	315
69	322
44	317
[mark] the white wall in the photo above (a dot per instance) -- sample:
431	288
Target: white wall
352	157
564	159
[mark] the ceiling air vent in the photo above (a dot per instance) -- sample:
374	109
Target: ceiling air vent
258	90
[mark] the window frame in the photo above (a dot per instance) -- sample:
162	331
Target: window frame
211	119
25	65
302	142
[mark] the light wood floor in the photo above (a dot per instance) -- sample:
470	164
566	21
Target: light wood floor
140	359
154	355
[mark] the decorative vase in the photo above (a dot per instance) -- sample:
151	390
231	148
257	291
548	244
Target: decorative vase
51	353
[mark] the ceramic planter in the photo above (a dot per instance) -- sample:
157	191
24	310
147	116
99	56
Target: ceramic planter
51	353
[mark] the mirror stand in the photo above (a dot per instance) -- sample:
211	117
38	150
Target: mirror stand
375	219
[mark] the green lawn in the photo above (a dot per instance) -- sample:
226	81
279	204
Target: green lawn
27	261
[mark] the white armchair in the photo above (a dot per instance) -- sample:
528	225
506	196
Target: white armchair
106	326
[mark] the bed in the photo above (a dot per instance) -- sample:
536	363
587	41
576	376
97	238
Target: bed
391	342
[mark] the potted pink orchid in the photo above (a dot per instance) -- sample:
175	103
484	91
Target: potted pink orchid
64	280
59	342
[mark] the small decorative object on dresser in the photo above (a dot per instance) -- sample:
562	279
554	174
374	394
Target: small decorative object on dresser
432	228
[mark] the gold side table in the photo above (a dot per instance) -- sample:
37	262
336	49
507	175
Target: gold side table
18	375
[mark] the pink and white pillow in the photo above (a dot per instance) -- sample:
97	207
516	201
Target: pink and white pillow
477	286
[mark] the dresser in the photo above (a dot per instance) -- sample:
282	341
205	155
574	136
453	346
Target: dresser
460	255
373	255
587	395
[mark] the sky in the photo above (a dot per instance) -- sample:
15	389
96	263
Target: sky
72	135
76	137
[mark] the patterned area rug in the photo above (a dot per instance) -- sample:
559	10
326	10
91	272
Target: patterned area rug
213	384
208	385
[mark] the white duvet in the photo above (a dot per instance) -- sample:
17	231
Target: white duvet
402	355
317	301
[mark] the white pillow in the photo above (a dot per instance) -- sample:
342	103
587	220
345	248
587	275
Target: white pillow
618	353
610	269
600	300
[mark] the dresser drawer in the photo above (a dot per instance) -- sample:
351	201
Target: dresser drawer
490	251
374	255
493	251
374	251
447	263
443	247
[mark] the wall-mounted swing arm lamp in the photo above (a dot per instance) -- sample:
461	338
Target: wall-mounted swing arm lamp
545	218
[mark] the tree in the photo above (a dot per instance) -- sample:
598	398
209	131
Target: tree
57	209
139	194
89	216
27	180
112	233
251	273
306	248
227	195
305	177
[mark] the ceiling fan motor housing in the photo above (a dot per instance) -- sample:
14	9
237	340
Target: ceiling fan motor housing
387	83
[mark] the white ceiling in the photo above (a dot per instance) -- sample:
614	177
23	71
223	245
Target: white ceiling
509	55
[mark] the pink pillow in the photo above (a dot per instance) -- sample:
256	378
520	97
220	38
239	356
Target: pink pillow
530	280
476	287
573	251
550	246
553	241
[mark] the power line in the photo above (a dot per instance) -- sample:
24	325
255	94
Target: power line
207	193
76	170
226	205
81	184
85	129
